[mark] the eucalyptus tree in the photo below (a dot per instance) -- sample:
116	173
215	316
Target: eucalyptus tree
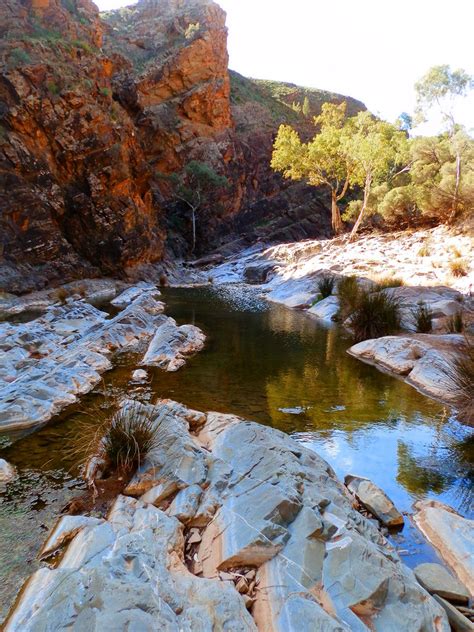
323	161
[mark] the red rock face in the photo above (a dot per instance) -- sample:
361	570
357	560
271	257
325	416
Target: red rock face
96	112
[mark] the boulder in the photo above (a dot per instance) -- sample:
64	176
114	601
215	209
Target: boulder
7	472
375	500
171	345
451	535
129	295
436	580
326	309
423	360
258	273
140	376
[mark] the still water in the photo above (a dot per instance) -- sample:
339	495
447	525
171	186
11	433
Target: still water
276	366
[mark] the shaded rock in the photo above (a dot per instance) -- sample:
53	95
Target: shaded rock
65	530
185	504
424	360
258	273
452	536
7	472
375	500
140	376
459	623
171	345
326	309
436	579
128	296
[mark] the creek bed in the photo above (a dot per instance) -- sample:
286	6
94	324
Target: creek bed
273	365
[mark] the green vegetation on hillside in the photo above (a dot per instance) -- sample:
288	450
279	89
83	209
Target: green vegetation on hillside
399	181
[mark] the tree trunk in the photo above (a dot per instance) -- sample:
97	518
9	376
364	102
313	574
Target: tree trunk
194	228
368	184
454	206
335	214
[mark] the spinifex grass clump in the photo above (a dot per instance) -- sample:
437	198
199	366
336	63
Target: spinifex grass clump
386	282
376	314
455	323
423	317
461	377
326	285
348	292
131	435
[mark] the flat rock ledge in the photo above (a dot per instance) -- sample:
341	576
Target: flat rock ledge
422	360
452	536
228	525
49	362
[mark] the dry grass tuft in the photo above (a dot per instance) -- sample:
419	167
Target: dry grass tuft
461	377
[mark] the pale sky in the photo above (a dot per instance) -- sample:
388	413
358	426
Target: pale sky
373	50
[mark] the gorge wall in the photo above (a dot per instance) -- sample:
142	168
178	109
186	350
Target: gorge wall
98	111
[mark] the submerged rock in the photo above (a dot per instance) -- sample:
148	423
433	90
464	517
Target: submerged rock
263	504
452	536
375	500
436	580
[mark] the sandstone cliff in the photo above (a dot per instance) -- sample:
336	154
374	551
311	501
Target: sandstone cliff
97	111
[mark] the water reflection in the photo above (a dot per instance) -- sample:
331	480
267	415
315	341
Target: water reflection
265	363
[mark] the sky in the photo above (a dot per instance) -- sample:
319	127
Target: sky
372	50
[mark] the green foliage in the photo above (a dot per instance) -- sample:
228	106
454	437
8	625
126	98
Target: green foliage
461	378
53	88
18	57
105	92
376	314
423	318
83	45
455	323
348	292
326	285
439	88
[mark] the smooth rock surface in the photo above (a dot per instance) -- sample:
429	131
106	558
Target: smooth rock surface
172	345
375	500
49	362
423	360
451	534
459	623
7	472
326	309
262	502
436	580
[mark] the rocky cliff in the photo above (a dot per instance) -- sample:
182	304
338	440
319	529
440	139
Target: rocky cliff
97	112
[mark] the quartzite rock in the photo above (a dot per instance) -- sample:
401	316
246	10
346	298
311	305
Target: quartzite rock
172	345
451	534
265	502
436	579
375	500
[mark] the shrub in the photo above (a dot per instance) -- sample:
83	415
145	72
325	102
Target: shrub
129	438
348	292
53	88
326	286
85	46
386	282
423	317
376	314
455	323
461	378
458	268
105	92
18	57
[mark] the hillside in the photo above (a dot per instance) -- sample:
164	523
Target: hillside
97	112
